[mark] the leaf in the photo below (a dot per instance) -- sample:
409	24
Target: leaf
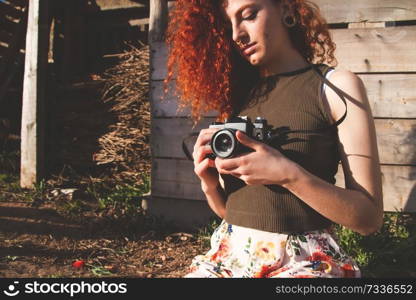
303	238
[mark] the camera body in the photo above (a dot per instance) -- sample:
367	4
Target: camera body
224	142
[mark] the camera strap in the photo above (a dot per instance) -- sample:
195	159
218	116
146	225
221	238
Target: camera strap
185	149
337	90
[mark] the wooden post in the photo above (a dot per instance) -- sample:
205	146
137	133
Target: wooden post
158	15
158	20
32	145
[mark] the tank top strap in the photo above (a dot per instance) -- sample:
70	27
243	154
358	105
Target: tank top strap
337	90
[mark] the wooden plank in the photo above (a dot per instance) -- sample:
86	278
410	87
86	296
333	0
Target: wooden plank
118	4
174	170
399	187
396	141
9	10
395	138
176	179
183	214
390	96
139	22
166	105
8	24
157	20
358	50
390	49
32	143
159	53
108	19
183	190
157	25
339	11
11	55
167	135
17	4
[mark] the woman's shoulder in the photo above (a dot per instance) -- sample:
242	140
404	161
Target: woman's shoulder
349	84
343	76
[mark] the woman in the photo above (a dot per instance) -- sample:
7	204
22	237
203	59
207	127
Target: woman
278	202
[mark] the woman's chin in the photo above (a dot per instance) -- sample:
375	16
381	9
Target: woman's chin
255	59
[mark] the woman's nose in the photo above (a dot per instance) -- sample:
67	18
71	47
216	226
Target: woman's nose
240	35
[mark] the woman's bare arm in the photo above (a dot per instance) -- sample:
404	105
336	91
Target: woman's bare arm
360	205
216	198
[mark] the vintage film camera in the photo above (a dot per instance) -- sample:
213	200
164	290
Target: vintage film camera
224	142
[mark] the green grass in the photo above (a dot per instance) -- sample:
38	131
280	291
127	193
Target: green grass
10	189
116	200
388	253
122	199
98	270
204	233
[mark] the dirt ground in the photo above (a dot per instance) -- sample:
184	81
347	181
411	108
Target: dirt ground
40	242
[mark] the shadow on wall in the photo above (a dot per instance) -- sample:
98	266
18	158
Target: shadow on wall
411	200
87	37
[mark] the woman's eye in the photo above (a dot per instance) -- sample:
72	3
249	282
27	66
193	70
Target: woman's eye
252	16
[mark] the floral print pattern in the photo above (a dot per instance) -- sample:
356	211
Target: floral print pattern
250	253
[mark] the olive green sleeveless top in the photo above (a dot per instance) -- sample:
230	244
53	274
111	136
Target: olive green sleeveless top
294	108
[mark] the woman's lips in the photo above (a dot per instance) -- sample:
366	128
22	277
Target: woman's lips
249	50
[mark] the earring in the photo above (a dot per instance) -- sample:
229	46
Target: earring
289	21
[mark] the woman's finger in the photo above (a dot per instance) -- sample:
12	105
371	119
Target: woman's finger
228	164
204	137
202	153
211	163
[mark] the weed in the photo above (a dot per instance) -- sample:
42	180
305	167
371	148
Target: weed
99	270
72	208
386	253
204	233
122	200
11	258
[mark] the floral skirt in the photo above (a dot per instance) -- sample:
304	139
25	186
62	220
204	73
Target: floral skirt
245	252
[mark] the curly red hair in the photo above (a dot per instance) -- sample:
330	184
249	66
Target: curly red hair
210	73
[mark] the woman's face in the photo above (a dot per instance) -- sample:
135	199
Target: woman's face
257	23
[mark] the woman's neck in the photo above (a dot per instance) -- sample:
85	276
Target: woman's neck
283	63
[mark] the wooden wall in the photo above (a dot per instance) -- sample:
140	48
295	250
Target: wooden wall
377	41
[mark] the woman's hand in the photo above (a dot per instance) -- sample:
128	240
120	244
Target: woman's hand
204	167
266	165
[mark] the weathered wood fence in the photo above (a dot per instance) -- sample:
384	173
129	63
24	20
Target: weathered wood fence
375	39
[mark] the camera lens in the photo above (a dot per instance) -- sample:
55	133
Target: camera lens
223	143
